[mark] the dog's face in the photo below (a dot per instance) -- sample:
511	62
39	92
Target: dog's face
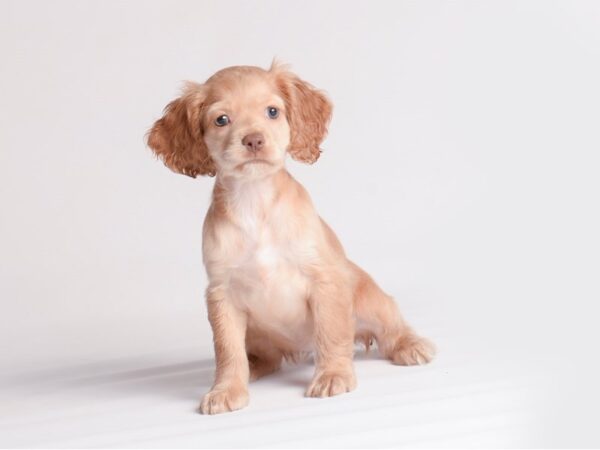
245	126
241	123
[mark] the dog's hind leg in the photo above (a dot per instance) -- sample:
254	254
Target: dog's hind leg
378	316
263	357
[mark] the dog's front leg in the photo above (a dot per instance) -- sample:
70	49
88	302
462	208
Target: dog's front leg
331	307
230	390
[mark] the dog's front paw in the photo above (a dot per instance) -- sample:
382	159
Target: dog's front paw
222	400
413	350
328	384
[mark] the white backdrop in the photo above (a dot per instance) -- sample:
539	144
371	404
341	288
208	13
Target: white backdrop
461	170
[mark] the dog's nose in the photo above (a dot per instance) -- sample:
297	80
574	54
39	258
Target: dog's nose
253	142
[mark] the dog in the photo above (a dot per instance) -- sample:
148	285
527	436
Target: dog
280	284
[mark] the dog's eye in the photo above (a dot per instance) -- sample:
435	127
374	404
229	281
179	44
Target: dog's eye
272	112
221	121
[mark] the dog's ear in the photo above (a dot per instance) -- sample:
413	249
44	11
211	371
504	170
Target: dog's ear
176	138
308	112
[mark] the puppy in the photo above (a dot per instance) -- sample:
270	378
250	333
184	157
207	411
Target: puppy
280	284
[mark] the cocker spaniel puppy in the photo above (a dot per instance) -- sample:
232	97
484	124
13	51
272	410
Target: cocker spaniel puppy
280	284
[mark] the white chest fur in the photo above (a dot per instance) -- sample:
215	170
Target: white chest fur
263	274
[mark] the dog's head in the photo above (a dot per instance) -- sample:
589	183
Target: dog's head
241	123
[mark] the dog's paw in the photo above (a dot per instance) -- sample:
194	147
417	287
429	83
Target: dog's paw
328	384
412	350
224	400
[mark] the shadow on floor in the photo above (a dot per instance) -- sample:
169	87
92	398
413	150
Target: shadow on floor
146	377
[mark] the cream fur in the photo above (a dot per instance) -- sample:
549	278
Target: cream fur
280	285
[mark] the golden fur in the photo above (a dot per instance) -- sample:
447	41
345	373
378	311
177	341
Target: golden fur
280	284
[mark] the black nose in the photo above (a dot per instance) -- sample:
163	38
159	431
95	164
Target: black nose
253	142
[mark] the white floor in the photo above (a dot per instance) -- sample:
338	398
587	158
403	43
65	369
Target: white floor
149	399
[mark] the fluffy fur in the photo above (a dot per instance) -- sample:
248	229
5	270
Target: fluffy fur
280	284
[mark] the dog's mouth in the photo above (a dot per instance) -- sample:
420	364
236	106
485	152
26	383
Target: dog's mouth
255	161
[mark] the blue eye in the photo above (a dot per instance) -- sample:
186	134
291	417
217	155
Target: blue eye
272	112
221	121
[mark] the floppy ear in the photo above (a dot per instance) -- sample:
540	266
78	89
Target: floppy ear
308	112
176	138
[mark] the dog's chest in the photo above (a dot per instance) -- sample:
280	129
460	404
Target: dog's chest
264	276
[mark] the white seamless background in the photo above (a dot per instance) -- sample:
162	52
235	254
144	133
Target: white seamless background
461	170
